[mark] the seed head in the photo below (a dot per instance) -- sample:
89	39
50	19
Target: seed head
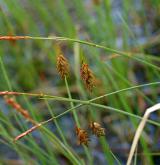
87	77
82	136
62	66
97	129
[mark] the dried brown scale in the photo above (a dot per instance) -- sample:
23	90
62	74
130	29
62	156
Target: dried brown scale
97	129
82	136
62	66
87	77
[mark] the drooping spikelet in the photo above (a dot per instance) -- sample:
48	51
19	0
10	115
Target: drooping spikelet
3	93
62	66
87	76
82	136
97	129
12	102
13	38
27	132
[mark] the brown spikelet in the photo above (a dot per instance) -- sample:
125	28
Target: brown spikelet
97	129
87	77
18	108
13	38
82	136
37	125
62	66
8	93
27	132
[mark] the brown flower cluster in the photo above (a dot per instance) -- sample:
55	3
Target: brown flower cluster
97	129
87	76
13	38
82	134
62	66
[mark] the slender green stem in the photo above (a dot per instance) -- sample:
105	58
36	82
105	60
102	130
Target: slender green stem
108	108
97	46
5	74
98	105
57	98
56	123
123	112
125	89
71	103
117	160
77	121
103	107
135	157
69	110
65	149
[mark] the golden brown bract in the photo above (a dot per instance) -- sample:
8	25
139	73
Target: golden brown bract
87	77
62	66
97	129
82	136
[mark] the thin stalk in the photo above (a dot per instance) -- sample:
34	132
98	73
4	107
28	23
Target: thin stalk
77	121
123	112
82	42
111	109
99	106
71	103
10	88
125	89
5	74
103	106
97	46
56	123
135	157
57	98
117	160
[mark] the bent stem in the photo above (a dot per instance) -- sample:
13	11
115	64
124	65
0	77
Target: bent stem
58	98
140	129
100	106
129	55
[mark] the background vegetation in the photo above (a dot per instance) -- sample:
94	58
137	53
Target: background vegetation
127	55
